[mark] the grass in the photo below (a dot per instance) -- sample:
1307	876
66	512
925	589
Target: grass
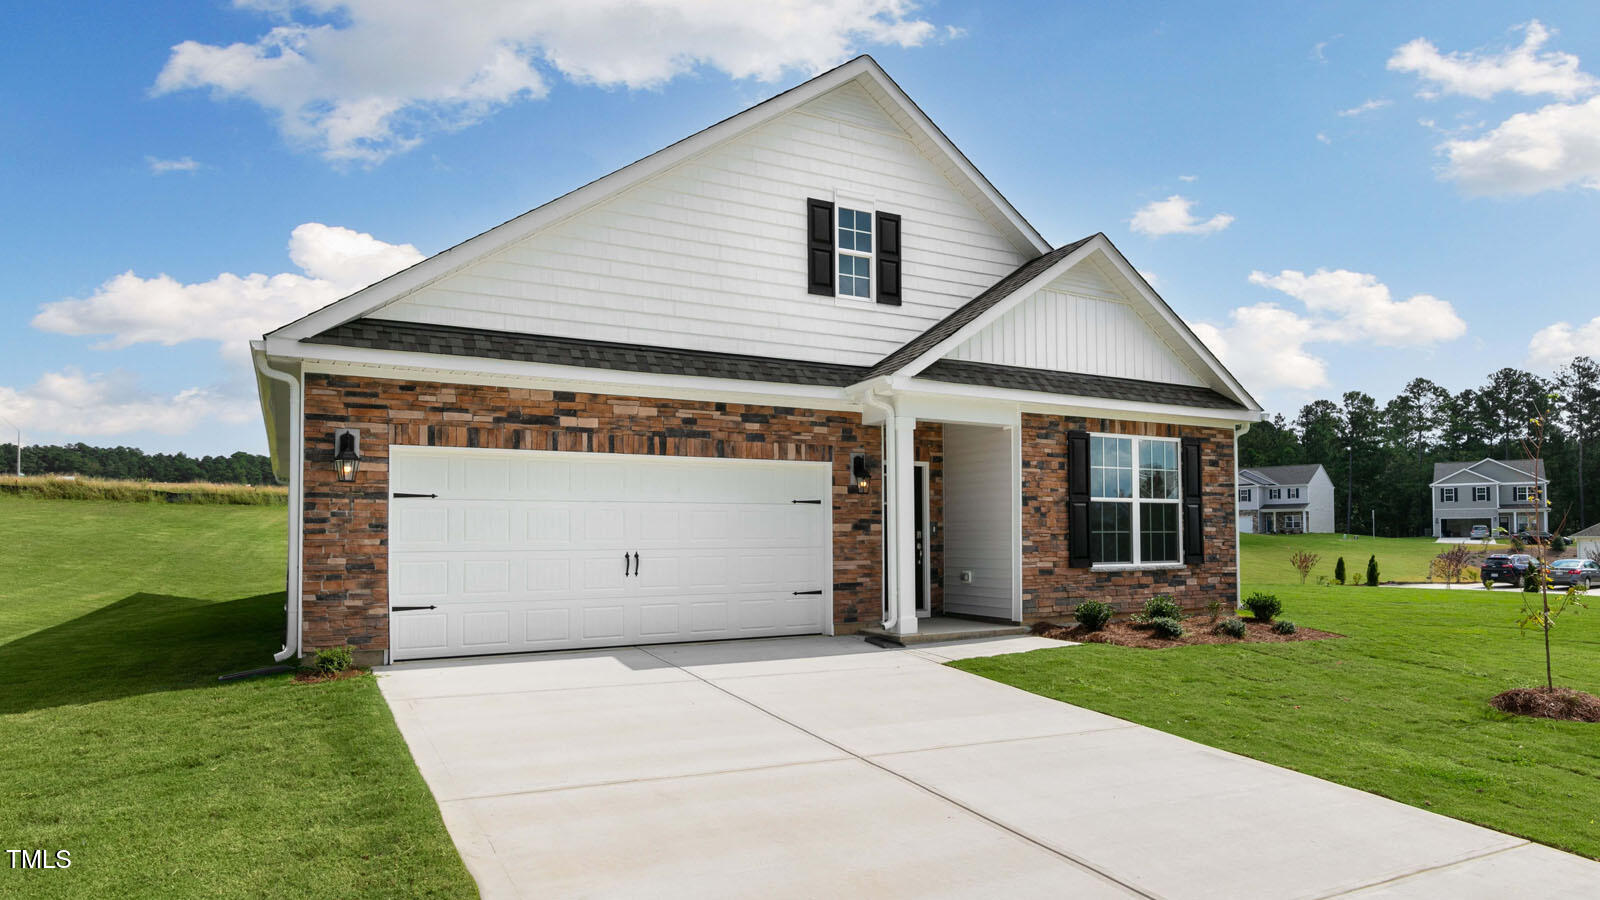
1399	707
1264	558
52	487
119	745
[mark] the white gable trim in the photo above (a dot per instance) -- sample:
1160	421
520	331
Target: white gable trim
1097	244
883	88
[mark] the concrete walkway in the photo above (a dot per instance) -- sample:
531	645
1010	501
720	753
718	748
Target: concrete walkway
826	767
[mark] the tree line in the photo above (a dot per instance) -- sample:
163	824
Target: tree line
1385	453
133	463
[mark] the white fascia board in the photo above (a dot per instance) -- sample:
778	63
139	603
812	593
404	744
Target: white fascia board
374	297
1090	407
990	315
330	358
1445	481
1176	323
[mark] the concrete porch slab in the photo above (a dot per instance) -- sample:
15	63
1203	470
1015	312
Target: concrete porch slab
935	629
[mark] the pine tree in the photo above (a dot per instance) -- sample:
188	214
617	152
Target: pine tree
1372	571
1338	570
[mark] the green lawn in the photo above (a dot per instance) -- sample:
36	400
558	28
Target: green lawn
119	745
1397	707
1265	557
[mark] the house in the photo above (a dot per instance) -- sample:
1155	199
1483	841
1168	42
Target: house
1586	543
1285	500
1509	494
805	371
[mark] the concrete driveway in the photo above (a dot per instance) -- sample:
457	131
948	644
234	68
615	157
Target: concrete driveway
826	767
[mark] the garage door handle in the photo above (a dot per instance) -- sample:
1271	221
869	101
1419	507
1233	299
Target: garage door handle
409	608
805	593
624	564
636	563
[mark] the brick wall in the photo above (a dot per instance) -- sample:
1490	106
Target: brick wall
345	590
1051	589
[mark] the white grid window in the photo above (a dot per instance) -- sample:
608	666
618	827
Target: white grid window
1134	499
1244	495
1447	495
855	253
1480	495
1294	493
1521	494
1274	493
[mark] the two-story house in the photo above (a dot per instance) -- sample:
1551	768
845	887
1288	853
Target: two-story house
1285	500
805	371
1501	494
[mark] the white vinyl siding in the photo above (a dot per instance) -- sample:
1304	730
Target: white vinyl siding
1079	323
711	254
978	493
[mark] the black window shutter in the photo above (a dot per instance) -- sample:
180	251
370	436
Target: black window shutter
889	259
1078	499
819	255
1194	543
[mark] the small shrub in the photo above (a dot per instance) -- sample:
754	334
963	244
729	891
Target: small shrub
1214	609
1303	563
1372	571
1531	582
1338	570
330	660
1162	606
1283	626
1233	627
1263	606
1558	544
1092	614
1167	627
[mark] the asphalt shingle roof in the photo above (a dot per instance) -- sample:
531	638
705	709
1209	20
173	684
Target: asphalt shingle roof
1593	531
1284	474
1443	470
386	334
1075	384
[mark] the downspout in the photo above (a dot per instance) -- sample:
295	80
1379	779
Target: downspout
891	597
291	638
1239	431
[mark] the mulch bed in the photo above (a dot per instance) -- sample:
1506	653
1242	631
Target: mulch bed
1197	630
312	676
1561	703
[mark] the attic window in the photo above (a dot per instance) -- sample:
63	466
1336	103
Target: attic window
855	253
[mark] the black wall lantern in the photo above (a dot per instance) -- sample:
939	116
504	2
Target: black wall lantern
858	473
346	453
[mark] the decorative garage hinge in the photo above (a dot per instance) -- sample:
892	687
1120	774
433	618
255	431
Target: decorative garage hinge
805	501
805	593
409	608
399	494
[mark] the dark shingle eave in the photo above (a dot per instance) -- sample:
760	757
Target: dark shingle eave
1075	384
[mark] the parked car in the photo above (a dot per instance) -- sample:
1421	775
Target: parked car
1479	533
1533	537
1566	572
1507	568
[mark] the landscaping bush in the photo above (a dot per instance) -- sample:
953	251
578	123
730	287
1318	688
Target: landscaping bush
1162	606
1167	627
1558	544
1283	626
330	660
1372	571
1531	582
1092	614
1232	626
1263	606
1338	570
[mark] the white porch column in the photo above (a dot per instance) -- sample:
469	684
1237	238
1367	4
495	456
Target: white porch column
900	524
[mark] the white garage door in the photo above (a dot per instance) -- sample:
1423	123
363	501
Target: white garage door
498	551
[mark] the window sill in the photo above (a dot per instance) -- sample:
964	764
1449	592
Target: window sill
1141	567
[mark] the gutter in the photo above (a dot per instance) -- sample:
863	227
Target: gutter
293	580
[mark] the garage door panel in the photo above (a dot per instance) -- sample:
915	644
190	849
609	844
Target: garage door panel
525	550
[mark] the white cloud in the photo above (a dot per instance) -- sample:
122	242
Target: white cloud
73	404
1188	177
230	309
1172	216
1557	344
1266	344
1323	137
160	166
1318	49
1149	277
1547	149
1524	69
362	79
1368	106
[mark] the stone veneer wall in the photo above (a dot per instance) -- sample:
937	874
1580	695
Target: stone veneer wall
345	587
1051	589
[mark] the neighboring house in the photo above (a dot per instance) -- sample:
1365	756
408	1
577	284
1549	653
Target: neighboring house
805	371
1285	500
1586	543
1509	494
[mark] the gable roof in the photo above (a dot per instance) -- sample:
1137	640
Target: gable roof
863	69
1301	474
1527	467
1593	531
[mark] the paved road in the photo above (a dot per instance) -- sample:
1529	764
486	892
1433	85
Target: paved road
825	767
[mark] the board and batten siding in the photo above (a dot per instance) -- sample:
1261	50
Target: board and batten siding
978	493
711	254
1078	323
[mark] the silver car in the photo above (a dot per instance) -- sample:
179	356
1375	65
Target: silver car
1566	572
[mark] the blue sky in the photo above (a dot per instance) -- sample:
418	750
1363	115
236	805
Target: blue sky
1443	225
